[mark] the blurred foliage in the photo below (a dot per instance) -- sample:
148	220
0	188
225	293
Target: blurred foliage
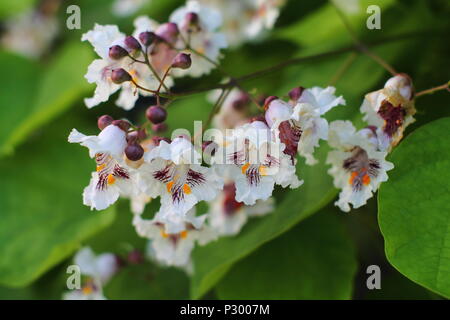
280	256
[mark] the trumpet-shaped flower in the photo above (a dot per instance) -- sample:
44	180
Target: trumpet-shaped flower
357	167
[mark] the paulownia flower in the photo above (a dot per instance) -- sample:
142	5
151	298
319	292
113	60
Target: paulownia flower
111	178
98	270
357	167
391	110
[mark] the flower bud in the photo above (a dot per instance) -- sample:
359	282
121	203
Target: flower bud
168	31
182	61
119	76
122	124
132	43
156	114
191	22
104	121
147	38
268	100
241	101
134	151
160	127
296	93
117	52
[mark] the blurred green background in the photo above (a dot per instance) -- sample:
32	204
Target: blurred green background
306	249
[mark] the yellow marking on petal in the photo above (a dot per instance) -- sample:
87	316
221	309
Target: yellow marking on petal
86	290
101	167
366	179
183	234
186	189
163	234
352	177
111	179
245	167
169	186
262	170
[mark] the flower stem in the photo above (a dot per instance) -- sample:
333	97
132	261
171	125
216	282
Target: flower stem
445	86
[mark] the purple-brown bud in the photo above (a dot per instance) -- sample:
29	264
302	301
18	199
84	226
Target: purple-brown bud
132	43
156	140
117	52
119	76
168	31
268	100
104	121
191	22
182	61
296	93
134	151
122	124
147	38
241	101
135	257
156	114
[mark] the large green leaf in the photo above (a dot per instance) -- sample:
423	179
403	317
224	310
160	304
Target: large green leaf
314	260
43	218
38	95
414	207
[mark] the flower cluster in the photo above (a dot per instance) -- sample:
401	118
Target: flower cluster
241	161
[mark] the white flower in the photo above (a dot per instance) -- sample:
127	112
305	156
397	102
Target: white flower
227	216
99	270
233	110
391	110
308	111
356	166
173	237
245	19
30	33
124	8
205	39
255	161
102	38
173	171
111	178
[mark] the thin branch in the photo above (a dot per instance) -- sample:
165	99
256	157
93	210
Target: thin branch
361	46
345	66
445	86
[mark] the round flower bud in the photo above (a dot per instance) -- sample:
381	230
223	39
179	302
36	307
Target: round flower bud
296	93
182	61
147	38
134	151
160	127
241	101
268	100
191	22
119	76
122	124
104	121
168	31
156	114
132	43
117	52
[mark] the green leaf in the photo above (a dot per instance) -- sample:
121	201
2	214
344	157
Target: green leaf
314	260
43	218
37	96
414	211
214	260
147	282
